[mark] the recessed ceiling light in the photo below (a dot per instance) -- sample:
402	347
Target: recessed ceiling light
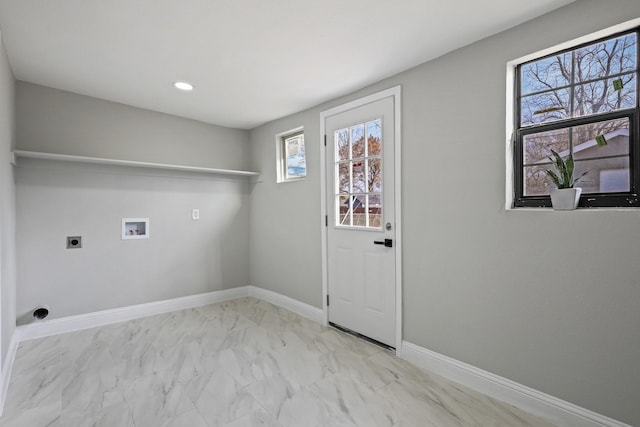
183	86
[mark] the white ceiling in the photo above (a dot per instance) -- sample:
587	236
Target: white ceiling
251	61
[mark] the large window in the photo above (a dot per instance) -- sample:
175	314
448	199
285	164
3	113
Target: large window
581	102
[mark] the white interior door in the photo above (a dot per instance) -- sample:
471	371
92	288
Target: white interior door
361	246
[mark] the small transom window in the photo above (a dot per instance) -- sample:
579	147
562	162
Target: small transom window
291	162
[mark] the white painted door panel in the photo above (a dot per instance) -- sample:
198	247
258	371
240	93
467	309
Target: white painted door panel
360	206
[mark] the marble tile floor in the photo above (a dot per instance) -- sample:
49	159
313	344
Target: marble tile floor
240	363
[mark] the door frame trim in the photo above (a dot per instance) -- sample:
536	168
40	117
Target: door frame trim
395	93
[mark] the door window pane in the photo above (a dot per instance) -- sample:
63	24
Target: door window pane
343	210
342	144
375	211
359	208
358	177
357	142
374	175
374	138
343	178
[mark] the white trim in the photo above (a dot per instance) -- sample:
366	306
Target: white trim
397	179
122	314
304	310
509	187
323	220
7	367
540	404
394	92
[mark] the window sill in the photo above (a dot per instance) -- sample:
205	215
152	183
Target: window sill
630	209
292	180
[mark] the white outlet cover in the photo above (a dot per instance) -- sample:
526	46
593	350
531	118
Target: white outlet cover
195	214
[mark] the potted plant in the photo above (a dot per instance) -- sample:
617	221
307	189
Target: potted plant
564	196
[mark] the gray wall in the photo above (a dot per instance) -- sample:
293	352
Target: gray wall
285	217
56	199
7	206
548	299
52	120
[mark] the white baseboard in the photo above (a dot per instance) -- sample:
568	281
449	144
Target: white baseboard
304	310
7	367
557	411
123	314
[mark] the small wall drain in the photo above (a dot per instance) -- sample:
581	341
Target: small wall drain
74	242
41	313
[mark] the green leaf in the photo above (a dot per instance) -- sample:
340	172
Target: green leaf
557	160
570	165
562	169
564	177
552	175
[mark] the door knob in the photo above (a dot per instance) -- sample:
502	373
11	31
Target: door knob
388	243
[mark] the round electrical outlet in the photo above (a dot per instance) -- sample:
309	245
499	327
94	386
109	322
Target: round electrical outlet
74	242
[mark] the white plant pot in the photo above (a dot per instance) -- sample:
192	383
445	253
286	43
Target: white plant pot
565	199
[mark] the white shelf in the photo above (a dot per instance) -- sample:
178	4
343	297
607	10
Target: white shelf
101	161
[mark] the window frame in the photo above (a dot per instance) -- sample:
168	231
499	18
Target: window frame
282	174
614	200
